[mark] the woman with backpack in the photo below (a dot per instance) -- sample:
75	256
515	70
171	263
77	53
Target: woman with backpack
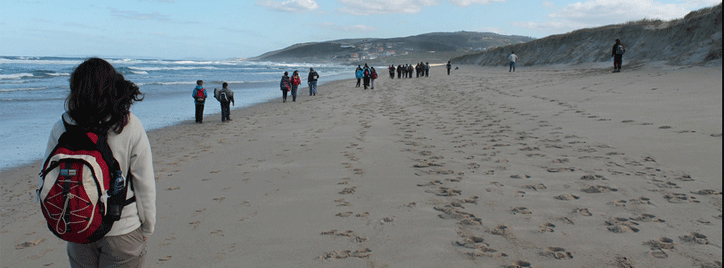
296	80
285	86
373	76
98	106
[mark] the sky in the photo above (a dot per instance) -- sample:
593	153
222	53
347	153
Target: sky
217	29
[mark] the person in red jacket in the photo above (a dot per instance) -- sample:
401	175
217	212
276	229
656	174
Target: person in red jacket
296	80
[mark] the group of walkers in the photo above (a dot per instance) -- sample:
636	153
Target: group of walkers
292	84
367	74
225	96
421	69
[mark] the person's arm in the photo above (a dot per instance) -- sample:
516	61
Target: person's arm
144	182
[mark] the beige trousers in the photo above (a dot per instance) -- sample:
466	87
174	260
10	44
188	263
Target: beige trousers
128	250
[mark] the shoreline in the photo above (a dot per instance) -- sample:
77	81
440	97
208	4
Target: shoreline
547	166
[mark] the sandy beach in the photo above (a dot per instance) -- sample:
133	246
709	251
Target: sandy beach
551	166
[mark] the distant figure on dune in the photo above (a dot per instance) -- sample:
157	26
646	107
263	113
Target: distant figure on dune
617	54
512	59
448	67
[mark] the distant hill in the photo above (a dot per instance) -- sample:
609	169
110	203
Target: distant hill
694	39
386	49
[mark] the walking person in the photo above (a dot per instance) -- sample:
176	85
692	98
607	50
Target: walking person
225	97
358	74
399	71
199	95
312	81
512	59
448	67
373	76
99	103
617	54
392	71
285	85
366	76
427	69
296	80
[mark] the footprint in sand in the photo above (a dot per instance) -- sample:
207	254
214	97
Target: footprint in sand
535	187
519	264
678	198
431	183
167	241
520	176
521	210
547	228
195	224
173	188
593	177
217	233
444	191
342	203
622	225
647	218
349	190
558	253
363	253
658	253
662	243
695	237
707	192
583	212
165	258
29	244
344	214
599	189
567	197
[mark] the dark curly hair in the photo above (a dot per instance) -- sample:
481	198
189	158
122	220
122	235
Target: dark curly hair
100	97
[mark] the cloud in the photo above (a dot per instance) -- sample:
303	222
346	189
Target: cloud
596	13
464	3
289	6
345	28
370	7
491	30
133	15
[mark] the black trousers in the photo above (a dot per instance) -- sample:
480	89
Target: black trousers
199	113
225	111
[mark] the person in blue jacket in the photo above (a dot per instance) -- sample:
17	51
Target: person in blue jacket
358	74
199	95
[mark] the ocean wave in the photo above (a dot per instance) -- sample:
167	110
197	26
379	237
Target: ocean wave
22	89
167	83
15	76
147	69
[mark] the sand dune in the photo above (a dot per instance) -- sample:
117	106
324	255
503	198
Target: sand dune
694	39
545	167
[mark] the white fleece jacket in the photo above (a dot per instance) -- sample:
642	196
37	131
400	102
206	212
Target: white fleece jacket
132	150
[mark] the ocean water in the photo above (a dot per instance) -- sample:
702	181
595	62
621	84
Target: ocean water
33	92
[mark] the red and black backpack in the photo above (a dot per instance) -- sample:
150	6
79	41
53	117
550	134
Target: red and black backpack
82	191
